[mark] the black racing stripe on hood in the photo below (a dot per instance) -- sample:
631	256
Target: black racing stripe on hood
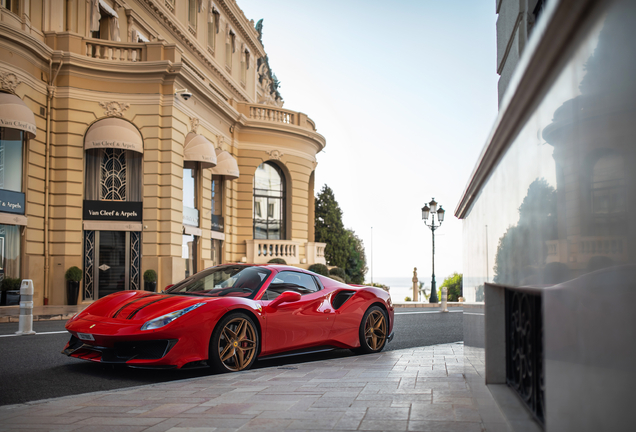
133	313
131	302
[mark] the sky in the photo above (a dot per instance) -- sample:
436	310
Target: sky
405	93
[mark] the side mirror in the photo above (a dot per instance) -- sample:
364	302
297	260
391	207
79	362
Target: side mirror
167	288
286	297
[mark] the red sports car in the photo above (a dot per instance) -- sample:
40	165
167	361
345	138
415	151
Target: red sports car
228	316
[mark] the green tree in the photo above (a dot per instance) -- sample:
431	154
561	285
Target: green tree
344	248
330	229
356	266
454	284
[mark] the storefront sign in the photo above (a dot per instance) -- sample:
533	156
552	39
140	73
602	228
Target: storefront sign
18	124
113	210
190	216
11	202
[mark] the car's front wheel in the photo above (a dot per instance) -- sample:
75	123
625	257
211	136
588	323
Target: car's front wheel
373	331
234	344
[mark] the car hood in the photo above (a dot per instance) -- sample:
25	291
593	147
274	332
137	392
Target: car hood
138	305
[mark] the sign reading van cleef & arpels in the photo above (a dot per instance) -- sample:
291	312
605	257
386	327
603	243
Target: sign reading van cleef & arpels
127	211
11	202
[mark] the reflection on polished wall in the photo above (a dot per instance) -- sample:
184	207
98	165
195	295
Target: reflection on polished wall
555	207
548	208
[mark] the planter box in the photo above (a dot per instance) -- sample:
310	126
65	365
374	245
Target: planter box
13	297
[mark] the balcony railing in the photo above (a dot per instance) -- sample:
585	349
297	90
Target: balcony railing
117	51
266	113
261	251
609	246
524	348
315	253
275	115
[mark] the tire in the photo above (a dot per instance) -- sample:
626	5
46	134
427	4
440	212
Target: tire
373	331
234	344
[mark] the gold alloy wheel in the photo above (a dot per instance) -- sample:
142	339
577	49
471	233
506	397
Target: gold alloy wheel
375	330
237	344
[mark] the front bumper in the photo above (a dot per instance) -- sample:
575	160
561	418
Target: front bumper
121	352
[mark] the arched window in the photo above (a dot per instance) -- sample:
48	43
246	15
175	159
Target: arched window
269	202
113	175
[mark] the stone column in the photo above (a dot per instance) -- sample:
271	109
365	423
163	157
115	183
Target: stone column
416	286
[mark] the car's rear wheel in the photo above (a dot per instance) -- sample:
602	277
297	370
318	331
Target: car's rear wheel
373	331
234	344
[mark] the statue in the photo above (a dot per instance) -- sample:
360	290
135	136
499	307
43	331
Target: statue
416	283
259	30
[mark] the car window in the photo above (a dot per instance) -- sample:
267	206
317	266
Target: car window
228	280
290	281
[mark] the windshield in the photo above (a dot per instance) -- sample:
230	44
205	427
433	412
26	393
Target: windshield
226	280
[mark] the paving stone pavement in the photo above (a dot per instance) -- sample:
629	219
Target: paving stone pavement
435	388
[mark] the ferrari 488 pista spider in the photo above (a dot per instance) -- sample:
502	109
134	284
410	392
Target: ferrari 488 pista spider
228	316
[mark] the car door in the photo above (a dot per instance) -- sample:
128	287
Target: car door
300	324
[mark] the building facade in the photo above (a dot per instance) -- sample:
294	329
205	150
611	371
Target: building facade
549	246
145	134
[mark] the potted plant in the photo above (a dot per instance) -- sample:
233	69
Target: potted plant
73	277
10	291
150	280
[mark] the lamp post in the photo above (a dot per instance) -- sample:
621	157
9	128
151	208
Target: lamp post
426	210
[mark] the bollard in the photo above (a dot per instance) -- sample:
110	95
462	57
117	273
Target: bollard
26	308
444	299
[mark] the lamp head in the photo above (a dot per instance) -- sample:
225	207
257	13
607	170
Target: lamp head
433	205
440	214
425	212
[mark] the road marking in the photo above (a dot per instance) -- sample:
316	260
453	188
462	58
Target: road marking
423	312
37	333
473	313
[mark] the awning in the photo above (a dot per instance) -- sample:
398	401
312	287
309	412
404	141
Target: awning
197	148
226	165
109	10
15	114
114	133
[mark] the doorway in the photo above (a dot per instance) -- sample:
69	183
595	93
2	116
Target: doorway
112	262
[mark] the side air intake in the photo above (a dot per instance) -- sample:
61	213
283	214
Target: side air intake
341	298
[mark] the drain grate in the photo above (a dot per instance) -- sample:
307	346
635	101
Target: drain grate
288	368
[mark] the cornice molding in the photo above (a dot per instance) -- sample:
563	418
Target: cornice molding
284	128
182	34
270	149
241	22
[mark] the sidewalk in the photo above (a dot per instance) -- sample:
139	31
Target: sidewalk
40	313
436	388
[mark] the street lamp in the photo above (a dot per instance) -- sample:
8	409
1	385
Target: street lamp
426	210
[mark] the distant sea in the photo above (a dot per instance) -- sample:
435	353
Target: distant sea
400	286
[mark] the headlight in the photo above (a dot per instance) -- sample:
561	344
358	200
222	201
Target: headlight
168	318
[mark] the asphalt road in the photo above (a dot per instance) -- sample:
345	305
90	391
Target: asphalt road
32	367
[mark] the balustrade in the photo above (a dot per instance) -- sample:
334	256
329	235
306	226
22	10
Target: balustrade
271	114
109	50
261	251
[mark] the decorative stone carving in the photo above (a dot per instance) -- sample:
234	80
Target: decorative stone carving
114	109
194	124
9	81
275	154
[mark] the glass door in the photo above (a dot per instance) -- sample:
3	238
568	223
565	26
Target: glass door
112	258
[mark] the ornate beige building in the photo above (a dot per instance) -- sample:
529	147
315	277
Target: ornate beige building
145	134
